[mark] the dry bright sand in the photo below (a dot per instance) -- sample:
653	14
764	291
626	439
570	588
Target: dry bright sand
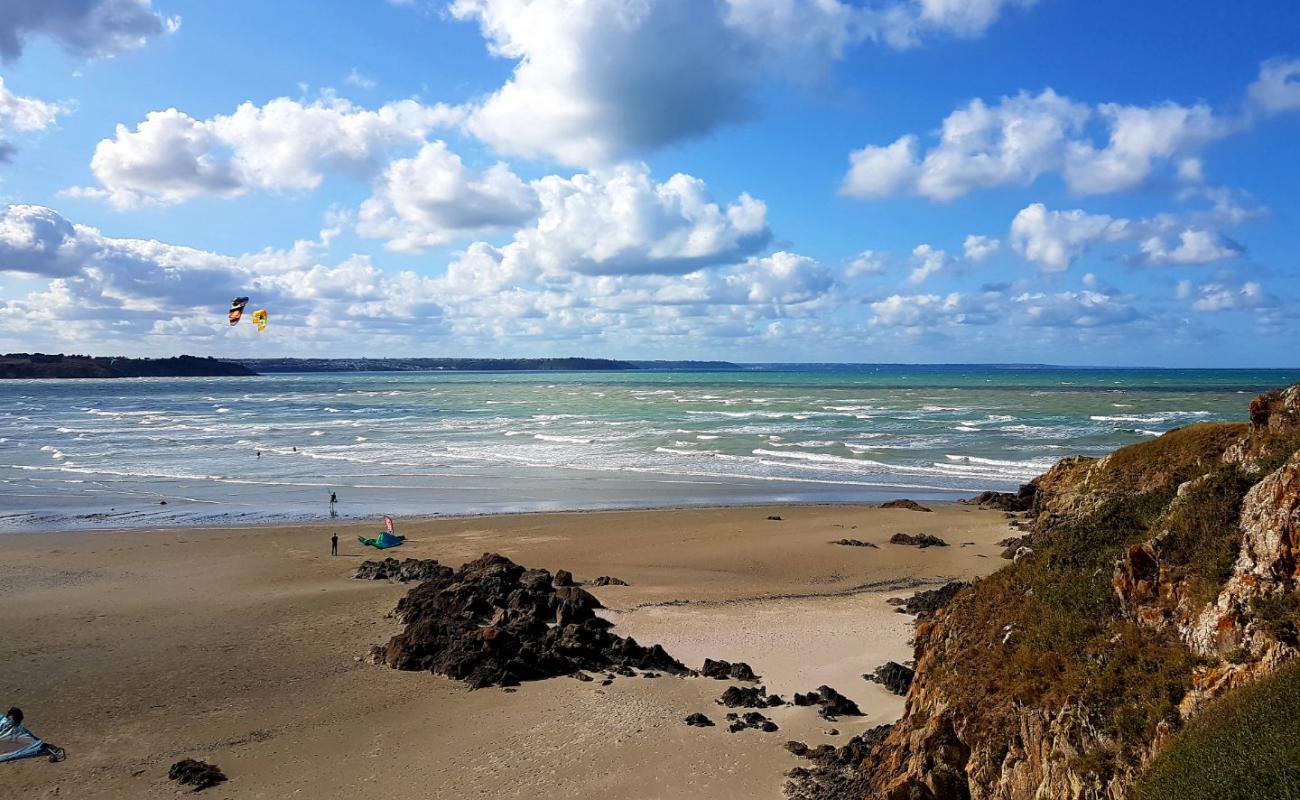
238	646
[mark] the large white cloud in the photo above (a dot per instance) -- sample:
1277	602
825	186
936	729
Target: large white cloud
1055	239
85	28
23	115
600	81
619	221
1194	246
433	198
283	145
1018	139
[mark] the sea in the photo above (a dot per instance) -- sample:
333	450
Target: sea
156	452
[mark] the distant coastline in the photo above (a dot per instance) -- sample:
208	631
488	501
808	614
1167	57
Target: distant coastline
41	365
58	365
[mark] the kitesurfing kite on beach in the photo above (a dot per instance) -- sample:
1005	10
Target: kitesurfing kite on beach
237	309
386	539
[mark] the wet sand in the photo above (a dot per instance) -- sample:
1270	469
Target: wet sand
134	649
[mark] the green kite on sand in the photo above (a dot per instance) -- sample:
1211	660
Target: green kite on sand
384	540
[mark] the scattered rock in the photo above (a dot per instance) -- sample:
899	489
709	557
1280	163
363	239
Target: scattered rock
493	623
605	580
925	603
775	518
698	720
751	719
832	731
1021	500
199	774
910	505
830	703
853	543
921	540
582	676
893	676
749	697
562	578
410	569
1021	552
797	748
725	670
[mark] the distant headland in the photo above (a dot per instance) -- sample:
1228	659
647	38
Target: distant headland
58	365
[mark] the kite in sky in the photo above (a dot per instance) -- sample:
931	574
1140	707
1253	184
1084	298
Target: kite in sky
237	309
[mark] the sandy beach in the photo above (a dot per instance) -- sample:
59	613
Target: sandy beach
241	646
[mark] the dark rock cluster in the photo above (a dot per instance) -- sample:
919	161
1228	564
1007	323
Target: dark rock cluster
605	580
925	603
495	623
894	676
410	569
749	697
698	720
199	774
750	719
910	505
832	771
727	671
1022	500
830	703
853	543
921	540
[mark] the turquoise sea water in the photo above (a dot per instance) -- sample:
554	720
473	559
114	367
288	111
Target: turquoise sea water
76	454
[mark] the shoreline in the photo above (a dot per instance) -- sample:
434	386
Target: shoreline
244	646
426	519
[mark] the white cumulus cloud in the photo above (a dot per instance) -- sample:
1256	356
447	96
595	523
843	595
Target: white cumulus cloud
283	145
23	115
1054	239
433	198
1277	89
979	249
1020	138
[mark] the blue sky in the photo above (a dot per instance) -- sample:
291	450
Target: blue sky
900	180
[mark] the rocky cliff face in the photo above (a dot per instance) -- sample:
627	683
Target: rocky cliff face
1164	575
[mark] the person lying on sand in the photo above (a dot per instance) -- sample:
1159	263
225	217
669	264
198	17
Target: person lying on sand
17	742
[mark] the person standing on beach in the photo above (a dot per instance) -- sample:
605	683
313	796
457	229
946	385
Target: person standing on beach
334	544
333	498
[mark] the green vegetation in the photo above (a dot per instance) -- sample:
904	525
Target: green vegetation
1245	747
1048	630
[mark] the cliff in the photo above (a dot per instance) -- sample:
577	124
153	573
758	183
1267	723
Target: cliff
1153	584
40	365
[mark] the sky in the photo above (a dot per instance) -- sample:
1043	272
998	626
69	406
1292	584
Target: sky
1048	181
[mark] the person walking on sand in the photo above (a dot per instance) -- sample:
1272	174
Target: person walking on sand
334	544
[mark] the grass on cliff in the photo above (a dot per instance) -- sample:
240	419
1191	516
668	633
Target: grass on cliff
1245	747
1048	631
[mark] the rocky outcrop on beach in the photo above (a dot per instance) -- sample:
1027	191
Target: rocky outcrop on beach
1153	581
829	703
928	601
198	775
494	623
605	580
922	540
854	543
749	697
750	719
832	772
894	676
698	720
725	670
404	571
910	505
